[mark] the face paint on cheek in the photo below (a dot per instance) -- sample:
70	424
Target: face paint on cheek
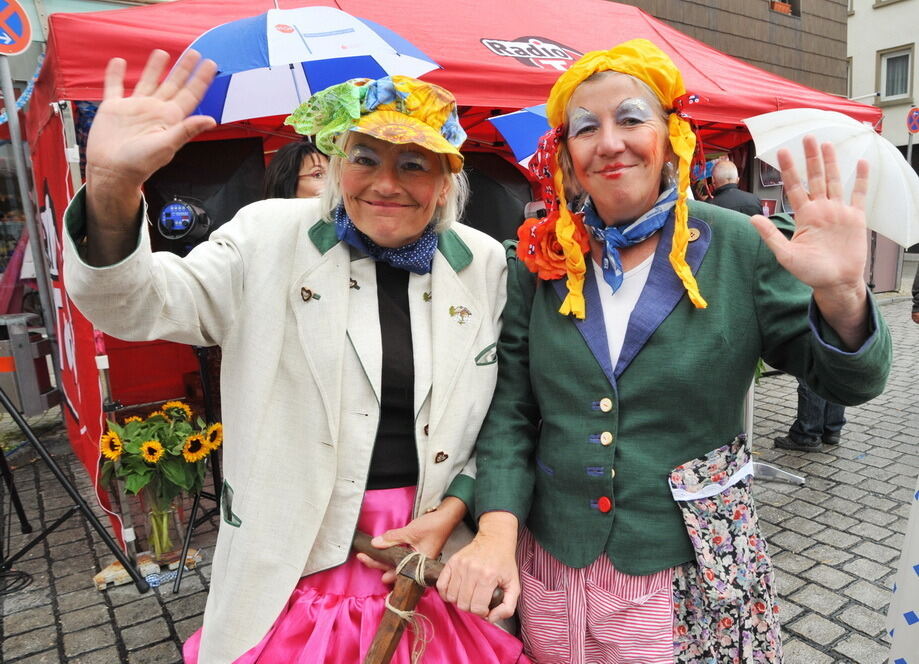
580	120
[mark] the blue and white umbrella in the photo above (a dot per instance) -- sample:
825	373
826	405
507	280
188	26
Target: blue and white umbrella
522	130
269	64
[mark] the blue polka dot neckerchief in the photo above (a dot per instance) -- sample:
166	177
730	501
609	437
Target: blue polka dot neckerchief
417	257
614	237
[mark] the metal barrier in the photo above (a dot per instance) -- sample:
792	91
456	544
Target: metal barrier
24	366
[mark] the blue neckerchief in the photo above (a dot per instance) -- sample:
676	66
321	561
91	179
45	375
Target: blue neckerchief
417	257
614	237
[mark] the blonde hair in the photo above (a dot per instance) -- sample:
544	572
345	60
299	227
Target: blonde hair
444	215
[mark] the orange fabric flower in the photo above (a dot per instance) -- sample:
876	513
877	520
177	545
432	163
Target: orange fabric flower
540	250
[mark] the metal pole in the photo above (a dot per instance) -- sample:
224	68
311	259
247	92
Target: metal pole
909	150
38	257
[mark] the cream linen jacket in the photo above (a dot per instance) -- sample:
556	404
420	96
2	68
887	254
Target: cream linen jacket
296	316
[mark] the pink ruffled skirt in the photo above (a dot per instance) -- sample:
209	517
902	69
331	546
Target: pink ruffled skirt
332	616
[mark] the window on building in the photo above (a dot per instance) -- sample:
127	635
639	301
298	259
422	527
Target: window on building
895	73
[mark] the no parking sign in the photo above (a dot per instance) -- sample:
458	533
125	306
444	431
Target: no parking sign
912	120
15	29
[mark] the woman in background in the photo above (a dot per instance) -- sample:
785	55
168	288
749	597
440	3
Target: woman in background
298	170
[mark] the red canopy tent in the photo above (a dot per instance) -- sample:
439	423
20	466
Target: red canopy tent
494	55
501	55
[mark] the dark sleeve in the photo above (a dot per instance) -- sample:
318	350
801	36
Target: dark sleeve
504	449
797	340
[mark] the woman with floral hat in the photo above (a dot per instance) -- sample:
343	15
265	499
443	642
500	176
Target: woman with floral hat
358	335
612	442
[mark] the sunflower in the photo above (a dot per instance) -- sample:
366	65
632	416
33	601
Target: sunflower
176	410
214	436
195	448
133	418
152	451
157	413
111	446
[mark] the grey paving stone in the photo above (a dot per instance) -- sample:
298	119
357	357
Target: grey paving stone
836	520
871	532
79	599
80	581
27	620
185	607
27	599
828	577
792	563
797	652
828	555
866	569
142	610
819	599
86	640
836	538
787	583
875	552
162	653
103	656
870	594
27	643
864	620
46	657
90	616
858	648
185	628
148	632
816	628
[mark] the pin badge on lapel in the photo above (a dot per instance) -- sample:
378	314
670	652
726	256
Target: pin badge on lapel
441	456
352	283
426	296
460	313
306	294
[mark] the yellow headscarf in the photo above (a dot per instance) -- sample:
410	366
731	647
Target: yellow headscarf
646	62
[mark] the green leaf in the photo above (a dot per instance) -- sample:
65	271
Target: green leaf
105	478
174	472
134	483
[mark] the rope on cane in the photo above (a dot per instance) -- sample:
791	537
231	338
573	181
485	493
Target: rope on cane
421	626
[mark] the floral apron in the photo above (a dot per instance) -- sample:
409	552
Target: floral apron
725	604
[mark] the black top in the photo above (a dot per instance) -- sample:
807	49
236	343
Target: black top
395	458
731	197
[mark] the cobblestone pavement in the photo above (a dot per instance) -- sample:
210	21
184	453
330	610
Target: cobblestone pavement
835	541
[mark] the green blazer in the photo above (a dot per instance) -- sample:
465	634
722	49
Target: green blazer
568	435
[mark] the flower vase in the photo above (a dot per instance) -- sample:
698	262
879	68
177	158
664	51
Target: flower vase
164	532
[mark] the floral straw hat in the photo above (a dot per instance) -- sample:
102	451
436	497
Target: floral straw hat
396	109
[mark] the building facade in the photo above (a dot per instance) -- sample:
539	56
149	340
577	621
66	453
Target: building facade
802	41
882	62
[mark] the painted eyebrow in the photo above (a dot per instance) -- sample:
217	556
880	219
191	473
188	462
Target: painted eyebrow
580	119
636	107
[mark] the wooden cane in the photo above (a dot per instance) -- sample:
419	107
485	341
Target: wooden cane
406	594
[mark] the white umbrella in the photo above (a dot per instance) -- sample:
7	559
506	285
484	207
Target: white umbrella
892	203
270	63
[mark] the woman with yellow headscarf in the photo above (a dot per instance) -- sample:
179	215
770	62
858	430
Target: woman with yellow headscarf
612	443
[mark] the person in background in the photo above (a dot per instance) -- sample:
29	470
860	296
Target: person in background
916	296
358	334
297	170
818	421
613	489
727	194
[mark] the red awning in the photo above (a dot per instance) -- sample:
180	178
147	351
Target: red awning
497	55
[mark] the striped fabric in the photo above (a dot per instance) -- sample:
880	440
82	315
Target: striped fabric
593	615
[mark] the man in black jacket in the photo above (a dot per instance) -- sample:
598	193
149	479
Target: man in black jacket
727	193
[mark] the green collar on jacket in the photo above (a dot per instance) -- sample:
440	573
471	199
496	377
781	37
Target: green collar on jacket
450	244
